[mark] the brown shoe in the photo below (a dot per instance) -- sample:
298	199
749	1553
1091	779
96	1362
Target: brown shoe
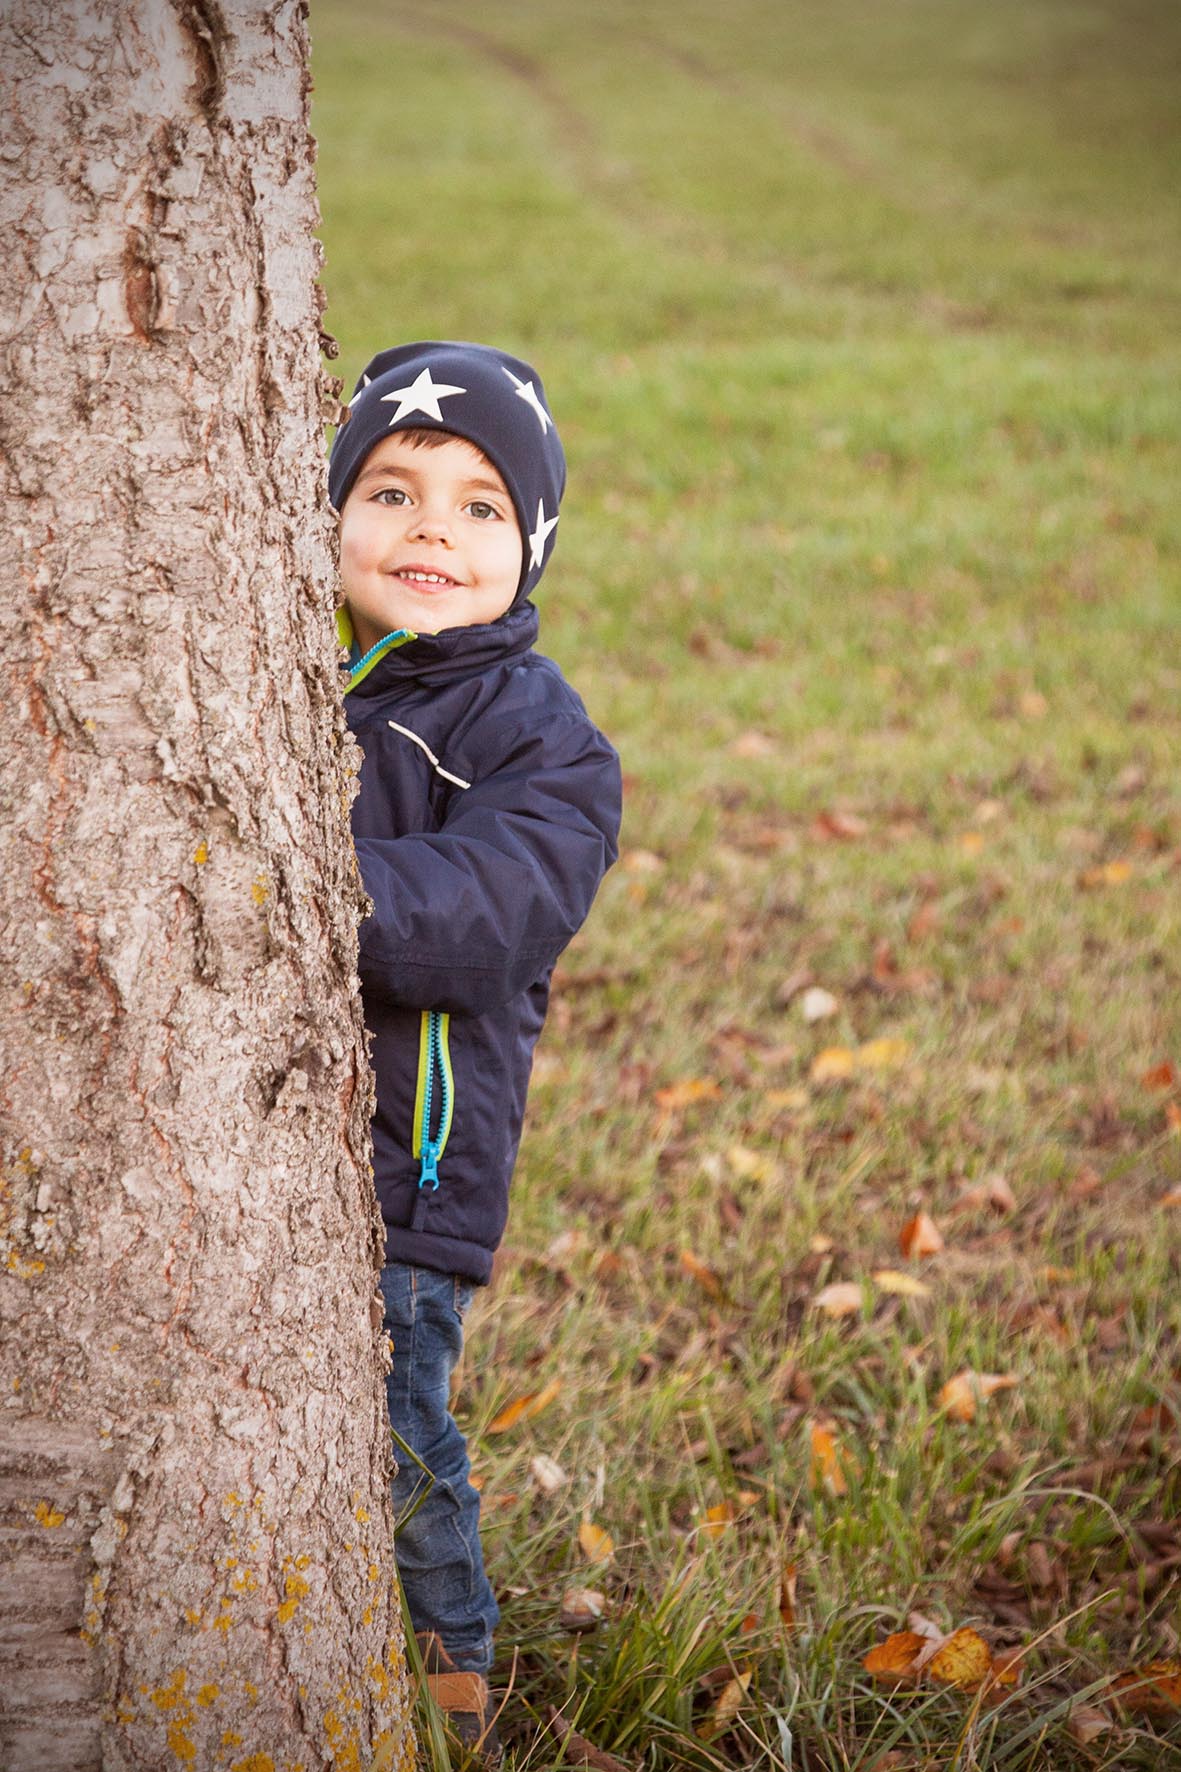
463	1698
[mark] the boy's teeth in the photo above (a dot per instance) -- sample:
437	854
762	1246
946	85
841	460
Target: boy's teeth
425	578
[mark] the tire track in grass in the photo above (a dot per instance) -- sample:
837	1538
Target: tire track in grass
601	180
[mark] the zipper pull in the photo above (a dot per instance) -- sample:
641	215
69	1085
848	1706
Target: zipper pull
428	1175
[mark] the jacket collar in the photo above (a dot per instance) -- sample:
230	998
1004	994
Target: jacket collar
404	657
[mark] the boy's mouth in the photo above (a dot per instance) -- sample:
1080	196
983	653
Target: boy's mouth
422	575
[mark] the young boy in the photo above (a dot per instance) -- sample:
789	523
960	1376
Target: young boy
488	813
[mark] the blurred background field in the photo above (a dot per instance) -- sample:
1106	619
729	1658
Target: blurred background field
860	323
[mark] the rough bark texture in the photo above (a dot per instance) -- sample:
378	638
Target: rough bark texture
195	1563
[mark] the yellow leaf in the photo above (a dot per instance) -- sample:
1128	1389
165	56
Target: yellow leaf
524	1408
883	1054
727	1706
829	1462
962	1395
1107	873
687	1093
963	1660
904	1285
596	1545
920	1236
747	1165
717	1519
896	1658
971	842
842	1299
832	1064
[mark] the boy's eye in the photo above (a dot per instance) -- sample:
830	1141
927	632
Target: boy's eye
393	495
480	508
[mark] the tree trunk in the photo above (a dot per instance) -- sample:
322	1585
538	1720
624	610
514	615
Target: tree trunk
194	1459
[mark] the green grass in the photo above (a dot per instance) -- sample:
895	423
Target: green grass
861	326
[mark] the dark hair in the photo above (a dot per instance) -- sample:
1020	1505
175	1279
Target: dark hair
425	437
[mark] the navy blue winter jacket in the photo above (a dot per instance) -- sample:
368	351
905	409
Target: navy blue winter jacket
488	813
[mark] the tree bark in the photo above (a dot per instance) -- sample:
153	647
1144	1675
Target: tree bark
195	1534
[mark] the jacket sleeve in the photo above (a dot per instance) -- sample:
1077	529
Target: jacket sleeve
467	917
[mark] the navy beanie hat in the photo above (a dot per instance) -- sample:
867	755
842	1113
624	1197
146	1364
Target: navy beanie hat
493	400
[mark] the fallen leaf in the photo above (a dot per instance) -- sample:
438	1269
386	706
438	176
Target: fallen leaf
641	861
881	1055
897	1658
829	1462
1161	1076
1107	873
818	1004
834	1063
971	842
963	1660
596	1545
961	1395
842	1299
752	744
1152	1690
687	1093
726	1706
1173	1116
717	1519
547	1473
577	1750
1085	1724
524	1408
747	1165
905	1285
920	1236
705	1276
840	825
788	1576
582	1608
1171	1199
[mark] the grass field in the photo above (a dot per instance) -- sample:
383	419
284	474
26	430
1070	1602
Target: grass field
861	326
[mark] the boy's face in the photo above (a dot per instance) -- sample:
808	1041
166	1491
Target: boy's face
428	540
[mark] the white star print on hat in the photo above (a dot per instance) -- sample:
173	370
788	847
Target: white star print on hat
538	539
423	395
528	393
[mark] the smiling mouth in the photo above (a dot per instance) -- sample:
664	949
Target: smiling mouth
411	576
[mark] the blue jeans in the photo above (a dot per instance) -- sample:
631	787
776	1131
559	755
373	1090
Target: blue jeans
438	1551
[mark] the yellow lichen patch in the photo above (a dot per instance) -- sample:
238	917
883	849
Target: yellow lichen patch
193	1615
93	1616
295	1588
231	1562
367	1615
179	1742
245	1583
261	890
168	1697
373	1572
254	1763
224	1618
378	1676
207	1694
201	853
362	1514
48	1516
250	1690
231	1738
302	1562
21	1269
233	1499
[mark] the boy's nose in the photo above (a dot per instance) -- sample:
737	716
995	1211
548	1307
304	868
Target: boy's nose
431	526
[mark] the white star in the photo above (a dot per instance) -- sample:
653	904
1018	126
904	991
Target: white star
538	539
423	395
367	383
528	393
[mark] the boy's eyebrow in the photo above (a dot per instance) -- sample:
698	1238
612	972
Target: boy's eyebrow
409	473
